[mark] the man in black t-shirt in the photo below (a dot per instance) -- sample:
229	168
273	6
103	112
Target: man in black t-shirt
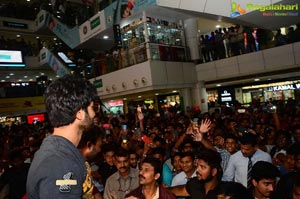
207	184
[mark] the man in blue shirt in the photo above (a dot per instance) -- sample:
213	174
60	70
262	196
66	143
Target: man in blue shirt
237	168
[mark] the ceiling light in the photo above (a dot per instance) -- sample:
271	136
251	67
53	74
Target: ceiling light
256	80
49	4
139	96
42	73
50	79
124	98
218	85
18	35
105	37
156	93
20	80
37	37
28	0
54	39
158	26
11	74
3	80
58	16
174	91
7	77
25	76
57	76
30	79
218	26
37	76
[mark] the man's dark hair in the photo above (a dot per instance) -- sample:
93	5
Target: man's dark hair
107	148
234	189
160	151
160	140
231	136
65	96
249	138
121	153
91	136
157	164
264	170
187	154
212	158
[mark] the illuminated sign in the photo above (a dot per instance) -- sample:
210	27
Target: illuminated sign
284	87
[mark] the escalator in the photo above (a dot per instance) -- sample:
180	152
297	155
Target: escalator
59	66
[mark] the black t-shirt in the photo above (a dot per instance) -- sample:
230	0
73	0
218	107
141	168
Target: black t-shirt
197	190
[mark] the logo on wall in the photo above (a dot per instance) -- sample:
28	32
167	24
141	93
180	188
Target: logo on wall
236	10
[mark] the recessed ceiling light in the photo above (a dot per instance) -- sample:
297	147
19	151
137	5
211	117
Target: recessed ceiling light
156	93
174	91
28	0
57	76
25	76
37	37
20	80
50	79
49	4
11	74
42	73
7	77
139	96
54	39
30	79
158	26
105	37
256	79
2	80
218	26
37	76
218	85
124	98
18	35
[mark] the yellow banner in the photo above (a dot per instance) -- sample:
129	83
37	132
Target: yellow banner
21	104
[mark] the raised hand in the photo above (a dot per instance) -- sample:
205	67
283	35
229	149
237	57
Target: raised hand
205	126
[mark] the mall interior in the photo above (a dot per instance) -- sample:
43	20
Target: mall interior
159	54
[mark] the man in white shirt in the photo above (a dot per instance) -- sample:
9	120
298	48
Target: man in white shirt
238	165
188	169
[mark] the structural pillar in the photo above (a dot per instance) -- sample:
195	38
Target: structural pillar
191	36
186	94
200	97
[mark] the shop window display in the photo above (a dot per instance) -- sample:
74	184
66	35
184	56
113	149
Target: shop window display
165	41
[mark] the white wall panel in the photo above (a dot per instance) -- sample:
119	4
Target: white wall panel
206	71
218	7
297	53
175	72
159	73
194	5
169	3
227	67
250	63
279	57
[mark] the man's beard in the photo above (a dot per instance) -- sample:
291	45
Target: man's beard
208	179
87	123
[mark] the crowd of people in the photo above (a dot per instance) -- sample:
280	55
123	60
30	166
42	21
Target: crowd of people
225	154
237	40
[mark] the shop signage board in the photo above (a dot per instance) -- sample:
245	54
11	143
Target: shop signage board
123	9
226	95
284	87
98	83
92	27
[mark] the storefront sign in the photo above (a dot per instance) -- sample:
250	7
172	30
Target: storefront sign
98	83
226	95
149	101
284	87
115	103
